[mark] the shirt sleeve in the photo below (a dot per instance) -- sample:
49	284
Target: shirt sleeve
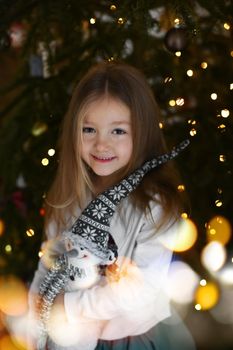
141	279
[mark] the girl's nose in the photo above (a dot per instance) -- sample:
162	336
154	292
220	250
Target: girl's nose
102	143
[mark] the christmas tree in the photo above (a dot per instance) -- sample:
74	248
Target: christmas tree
185	50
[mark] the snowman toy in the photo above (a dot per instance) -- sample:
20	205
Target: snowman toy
84	266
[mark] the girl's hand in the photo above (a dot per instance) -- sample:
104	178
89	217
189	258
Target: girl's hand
58	308
59	301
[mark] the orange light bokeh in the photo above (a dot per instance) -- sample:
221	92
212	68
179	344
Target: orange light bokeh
13	296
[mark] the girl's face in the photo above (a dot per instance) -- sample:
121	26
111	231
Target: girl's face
106	137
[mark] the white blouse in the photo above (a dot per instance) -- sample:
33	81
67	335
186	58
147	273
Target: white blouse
137	301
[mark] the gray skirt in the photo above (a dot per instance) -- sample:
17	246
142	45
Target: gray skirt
171	334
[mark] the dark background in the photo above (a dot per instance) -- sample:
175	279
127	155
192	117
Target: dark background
45	48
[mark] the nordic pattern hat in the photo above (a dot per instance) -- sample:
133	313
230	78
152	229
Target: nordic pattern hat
91	229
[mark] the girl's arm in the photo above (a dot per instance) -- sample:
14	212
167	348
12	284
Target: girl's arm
139	284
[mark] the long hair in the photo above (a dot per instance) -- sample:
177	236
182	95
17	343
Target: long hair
73	181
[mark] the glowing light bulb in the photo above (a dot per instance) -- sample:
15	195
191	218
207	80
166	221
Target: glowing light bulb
178	53
172	103
120	20
225	113
8	248
198	307
51	152
218	203
193	132
213	96
203	282
204	65
161	125
231	86
113	7
222	158
184	216
92	20
30	232
180	101
227	26
193	122
221	126
181	188
177	21
167	79
45	161
189	73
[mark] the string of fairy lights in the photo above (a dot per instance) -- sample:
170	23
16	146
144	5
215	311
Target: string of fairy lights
202	292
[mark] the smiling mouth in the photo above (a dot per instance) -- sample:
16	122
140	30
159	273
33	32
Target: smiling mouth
103	159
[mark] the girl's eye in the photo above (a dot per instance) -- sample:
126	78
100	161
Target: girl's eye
119	132
88	130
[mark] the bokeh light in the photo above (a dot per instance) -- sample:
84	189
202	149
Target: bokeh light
44	254
2	227
219	229
225	275
45	161
213	256
51	152
204	65
207	296
6	343
182	282
18	329
225	113
72	335
185	238
13	296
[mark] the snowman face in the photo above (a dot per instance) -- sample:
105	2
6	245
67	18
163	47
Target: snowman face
80	257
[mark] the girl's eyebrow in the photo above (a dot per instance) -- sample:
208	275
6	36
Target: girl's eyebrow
120	122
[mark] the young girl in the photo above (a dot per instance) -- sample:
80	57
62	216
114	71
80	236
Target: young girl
110	130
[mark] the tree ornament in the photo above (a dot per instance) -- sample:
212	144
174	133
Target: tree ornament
19	202
176	39
17	34
5	41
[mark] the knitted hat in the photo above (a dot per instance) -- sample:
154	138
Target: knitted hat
91	229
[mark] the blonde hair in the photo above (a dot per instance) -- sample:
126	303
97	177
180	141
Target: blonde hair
73	182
